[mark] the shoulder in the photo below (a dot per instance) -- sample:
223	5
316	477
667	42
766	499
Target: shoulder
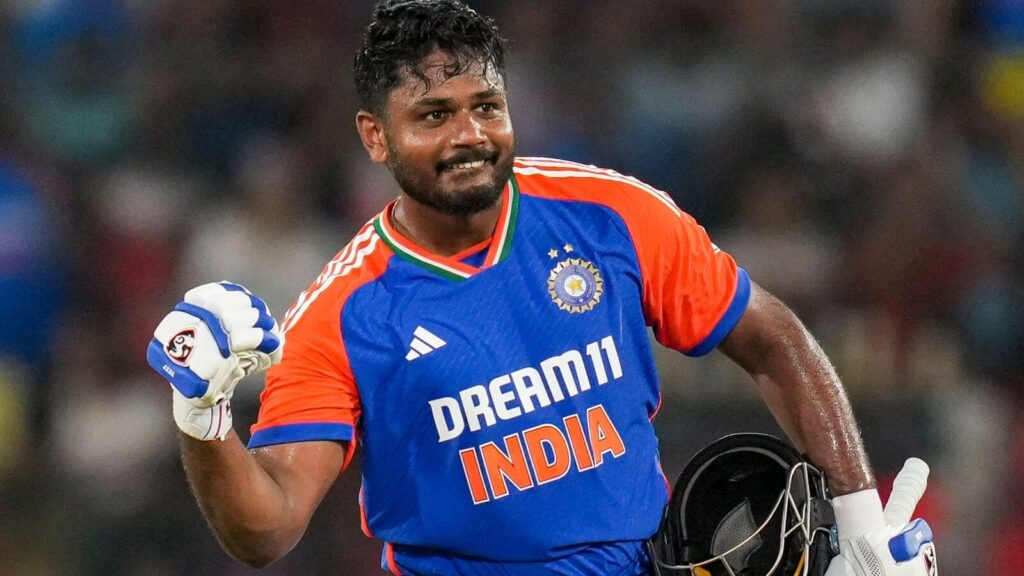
361	261
631	198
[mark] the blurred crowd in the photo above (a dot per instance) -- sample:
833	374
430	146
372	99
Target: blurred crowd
862	159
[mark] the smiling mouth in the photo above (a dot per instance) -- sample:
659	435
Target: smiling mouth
467	165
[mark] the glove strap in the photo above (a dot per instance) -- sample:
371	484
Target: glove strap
203	423
858	513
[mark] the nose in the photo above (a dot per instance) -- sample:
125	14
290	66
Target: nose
467	131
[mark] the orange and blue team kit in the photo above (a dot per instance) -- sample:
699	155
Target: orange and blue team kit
504	396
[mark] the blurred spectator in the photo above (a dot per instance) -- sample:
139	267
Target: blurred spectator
113	450
265	236
140	210
992	319
911	259
777	241
30	269
73	55
871	108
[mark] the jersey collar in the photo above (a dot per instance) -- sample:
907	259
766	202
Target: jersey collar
451	267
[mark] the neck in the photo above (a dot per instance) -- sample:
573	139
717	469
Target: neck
440	233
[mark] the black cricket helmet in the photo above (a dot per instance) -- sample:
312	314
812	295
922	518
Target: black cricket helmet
747	505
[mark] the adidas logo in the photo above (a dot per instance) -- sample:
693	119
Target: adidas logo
423	342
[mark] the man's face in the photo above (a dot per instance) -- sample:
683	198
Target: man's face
450	143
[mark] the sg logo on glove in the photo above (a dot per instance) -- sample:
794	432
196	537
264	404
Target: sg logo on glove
181	345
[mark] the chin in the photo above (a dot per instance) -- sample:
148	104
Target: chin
467	201
456	195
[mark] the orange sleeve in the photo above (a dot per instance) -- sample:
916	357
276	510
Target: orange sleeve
693	292
311	394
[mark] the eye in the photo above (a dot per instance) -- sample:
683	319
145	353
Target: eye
435	115
489	108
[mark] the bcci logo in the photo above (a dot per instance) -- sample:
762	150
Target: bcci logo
575	285
180	347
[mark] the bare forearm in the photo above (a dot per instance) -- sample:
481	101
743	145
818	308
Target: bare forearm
802	387
803	391
246	508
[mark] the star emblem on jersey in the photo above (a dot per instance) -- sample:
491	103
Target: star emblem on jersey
575	285
423	342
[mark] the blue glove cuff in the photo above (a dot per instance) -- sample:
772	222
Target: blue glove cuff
184	380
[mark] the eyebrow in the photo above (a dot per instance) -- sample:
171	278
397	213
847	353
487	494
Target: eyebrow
431	102
485	94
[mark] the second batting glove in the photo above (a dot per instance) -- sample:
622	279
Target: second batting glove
877	542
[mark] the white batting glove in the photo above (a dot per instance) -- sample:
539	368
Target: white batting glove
873	542
218	335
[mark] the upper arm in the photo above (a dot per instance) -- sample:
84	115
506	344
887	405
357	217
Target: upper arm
766	323
747	342
304	471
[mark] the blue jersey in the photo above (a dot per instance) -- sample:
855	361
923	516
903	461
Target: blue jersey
503	397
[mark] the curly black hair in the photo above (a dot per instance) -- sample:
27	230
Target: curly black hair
403	32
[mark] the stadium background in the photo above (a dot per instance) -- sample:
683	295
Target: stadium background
863	159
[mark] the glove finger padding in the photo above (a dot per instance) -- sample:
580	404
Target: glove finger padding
253	362
255	339
217	299
236	319
864	558
245	317
221	297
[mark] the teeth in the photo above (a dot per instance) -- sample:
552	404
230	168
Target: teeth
468	165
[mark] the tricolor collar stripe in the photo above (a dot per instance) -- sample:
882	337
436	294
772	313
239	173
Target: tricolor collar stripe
413	255
506	225
506	229
450	268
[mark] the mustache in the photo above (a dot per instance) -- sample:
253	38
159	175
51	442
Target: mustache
468	156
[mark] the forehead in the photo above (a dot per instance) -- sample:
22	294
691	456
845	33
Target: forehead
440	75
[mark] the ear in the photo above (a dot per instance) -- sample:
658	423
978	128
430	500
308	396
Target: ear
371	132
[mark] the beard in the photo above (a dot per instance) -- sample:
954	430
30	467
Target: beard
426	189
